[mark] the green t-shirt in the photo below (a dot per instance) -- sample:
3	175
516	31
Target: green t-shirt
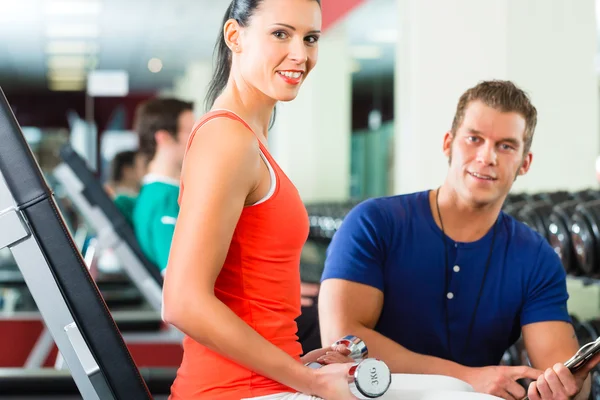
126	203
154	218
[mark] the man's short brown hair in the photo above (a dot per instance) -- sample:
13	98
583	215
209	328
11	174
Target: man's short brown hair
154	115
503	96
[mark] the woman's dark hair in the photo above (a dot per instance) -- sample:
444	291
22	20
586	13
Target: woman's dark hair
241	11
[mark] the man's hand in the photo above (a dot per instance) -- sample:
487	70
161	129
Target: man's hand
501	381
558	383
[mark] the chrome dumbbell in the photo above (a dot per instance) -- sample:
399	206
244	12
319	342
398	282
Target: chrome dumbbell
358	348
369	378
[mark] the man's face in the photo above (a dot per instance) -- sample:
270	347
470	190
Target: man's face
130	177
486	154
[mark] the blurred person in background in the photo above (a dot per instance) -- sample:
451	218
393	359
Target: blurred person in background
163	126
126	172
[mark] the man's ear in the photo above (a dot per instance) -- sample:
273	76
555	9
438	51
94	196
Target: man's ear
526	164
231	33
447	144
162	136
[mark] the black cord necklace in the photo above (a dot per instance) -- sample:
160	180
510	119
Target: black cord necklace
447	283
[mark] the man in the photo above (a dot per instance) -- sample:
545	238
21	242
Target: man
126	173
163	126
442	282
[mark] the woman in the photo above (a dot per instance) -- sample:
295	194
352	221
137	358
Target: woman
232	283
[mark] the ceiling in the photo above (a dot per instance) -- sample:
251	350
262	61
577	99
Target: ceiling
373	26
131	32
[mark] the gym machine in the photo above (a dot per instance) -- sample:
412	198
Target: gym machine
111	227
57	277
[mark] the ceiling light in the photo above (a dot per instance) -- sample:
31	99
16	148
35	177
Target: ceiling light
58	86
72	31
66	75
387	36
70	62
73	7
366	52
12	10
114	83
155	65
71	47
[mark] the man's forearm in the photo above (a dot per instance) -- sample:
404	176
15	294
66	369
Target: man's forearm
401	360
584	393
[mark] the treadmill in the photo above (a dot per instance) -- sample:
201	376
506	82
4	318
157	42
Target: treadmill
32	227
141	328
112	229
114	232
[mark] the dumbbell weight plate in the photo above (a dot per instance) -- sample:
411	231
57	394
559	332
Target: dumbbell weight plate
536	215
586	195
556	197
368	379
372	378
559	223
513	198
585	235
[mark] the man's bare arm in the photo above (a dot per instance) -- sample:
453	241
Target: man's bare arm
350	308
552	342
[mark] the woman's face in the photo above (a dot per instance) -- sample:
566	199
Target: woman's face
278	47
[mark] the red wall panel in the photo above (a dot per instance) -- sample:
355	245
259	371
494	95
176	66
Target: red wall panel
334	10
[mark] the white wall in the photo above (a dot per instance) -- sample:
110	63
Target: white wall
547	47
311	136
193	85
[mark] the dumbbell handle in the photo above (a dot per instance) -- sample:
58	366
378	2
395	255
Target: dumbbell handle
358	348
368	379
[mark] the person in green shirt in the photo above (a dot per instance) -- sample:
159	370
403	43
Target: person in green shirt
163	127
126	172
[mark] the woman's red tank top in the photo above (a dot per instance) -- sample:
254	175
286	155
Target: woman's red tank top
260	282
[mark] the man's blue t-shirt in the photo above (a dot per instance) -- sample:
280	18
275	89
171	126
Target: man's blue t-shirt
393	244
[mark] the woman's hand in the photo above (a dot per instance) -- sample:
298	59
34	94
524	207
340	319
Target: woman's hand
331	382
338	353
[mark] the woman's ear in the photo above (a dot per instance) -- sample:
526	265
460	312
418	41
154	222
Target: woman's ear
231	32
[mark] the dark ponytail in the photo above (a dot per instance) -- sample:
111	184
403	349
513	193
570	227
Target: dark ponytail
241	11
222	64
